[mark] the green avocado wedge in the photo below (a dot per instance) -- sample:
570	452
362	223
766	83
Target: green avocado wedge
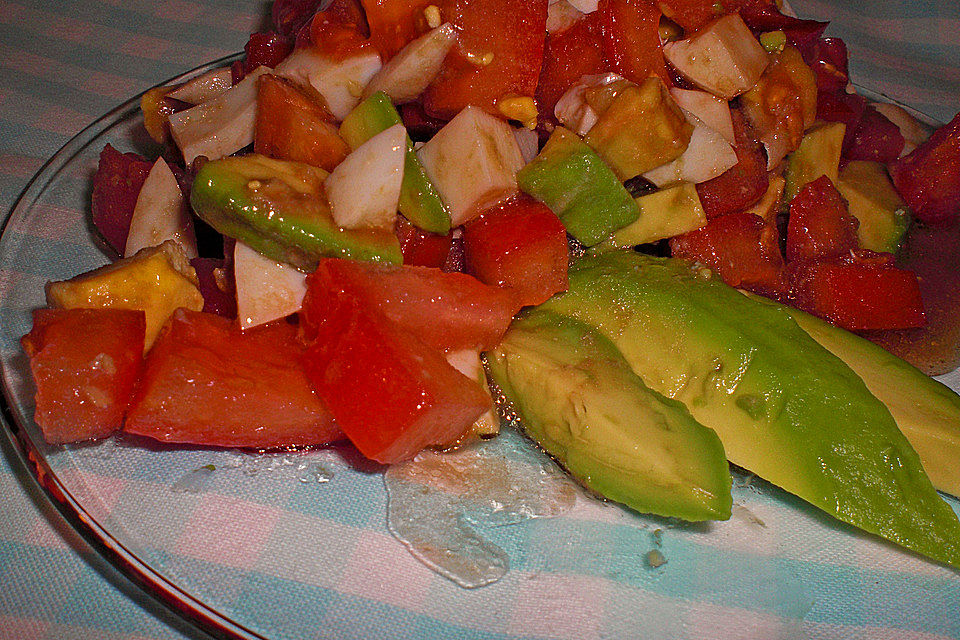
280	209
579	399
784	407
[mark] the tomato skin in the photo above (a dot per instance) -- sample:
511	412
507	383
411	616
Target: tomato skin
928	178
567	56
294	124
421	248
631	38
519	244
116	187
390	393
512	31
820	225
207	382
447	311
742	184
85	363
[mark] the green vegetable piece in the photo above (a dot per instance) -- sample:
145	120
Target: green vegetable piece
663	214
572	180
419	200
884	216
784	407
278	208
927	412
773	41
818	155
578	398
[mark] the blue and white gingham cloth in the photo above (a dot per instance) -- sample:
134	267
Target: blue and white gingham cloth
262	541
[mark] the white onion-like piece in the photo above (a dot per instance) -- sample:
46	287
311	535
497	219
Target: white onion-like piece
467	362
204	87
707	156
585	6
472	161
364	189
528	142
407	74
266	289
160	214
709	109
561	15
220	126
340	82
572	109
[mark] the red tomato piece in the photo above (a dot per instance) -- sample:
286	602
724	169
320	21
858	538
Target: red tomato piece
827	58
741	248
420	126
693	15
859	294
207	382
762	17
820	225
567	56
444	310
338	34
928	178
293	123
840	106
289	16
875	138
116	187
519	244
741	185
394	23
217	285
498	54
421	248
85	364
389	392
631	38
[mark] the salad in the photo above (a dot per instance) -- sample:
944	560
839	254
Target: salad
422	174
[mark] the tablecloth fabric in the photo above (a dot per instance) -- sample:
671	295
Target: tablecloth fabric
66	63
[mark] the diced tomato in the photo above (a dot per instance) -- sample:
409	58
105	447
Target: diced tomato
207	382
289	16
567	56
742	248
842	107
116	187
293	123
875	138
498	54
520	244
389	392
85	365
820	225
217	285
444	310
928	178
394	23
693	15
764	16
421	248
631	38
743	184
859	294
337	35
455	262
827	57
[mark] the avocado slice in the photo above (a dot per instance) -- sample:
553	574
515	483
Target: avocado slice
663	214
279	208
784	407
927	412
579	399
419	200
572	180
818	155
883	215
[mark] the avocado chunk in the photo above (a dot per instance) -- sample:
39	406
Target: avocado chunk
927	412
784	407
279	208
663	214
818	155
572	180
884	216
642	128
579	399
419	200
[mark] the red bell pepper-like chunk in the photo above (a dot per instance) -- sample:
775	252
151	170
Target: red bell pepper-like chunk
293	123
827	58
85	364
742	248
116	187
875	138
444	310
520	244
389	392
421	248
859	294
498	54
567	56
820	225
394	23
741	185
928	178
631	38
207	382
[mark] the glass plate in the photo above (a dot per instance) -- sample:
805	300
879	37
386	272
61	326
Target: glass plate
296	544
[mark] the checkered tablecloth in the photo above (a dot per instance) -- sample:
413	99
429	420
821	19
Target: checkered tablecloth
776	570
